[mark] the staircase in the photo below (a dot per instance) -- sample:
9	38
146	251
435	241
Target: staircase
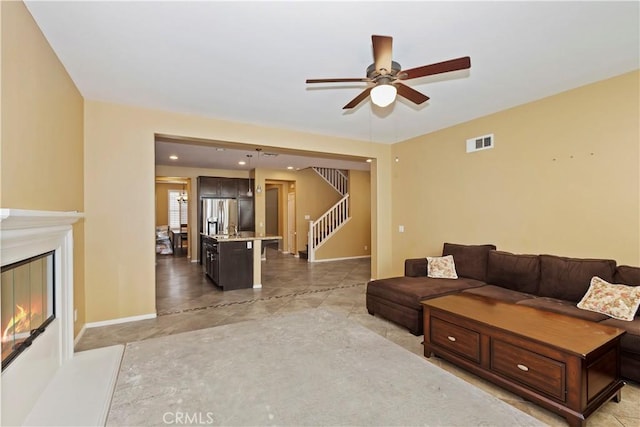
335	178
333	219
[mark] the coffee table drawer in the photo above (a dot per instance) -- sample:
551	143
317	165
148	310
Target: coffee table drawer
536	371
462	341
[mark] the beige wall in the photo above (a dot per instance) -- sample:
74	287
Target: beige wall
516	195
313	197
563	179
162	201
42	131
119	196
354	238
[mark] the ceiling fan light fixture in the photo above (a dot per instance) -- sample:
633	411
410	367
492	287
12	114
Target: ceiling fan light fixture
383	94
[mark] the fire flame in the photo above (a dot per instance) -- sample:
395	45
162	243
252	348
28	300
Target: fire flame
19	322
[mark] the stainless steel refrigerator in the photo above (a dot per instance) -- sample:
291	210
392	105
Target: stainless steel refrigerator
219	216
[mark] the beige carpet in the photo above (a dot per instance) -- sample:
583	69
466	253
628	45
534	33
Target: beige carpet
313	368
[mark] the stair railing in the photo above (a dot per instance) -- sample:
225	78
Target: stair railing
322	228
335	177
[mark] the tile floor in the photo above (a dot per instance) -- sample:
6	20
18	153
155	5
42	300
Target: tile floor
186	301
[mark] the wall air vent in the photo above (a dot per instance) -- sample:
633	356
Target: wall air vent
480	143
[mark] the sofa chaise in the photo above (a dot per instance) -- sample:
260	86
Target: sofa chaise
546	282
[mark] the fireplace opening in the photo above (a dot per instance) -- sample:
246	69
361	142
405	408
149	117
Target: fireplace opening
28	303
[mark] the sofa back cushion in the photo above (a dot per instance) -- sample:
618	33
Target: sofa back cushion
470	260
517	272
415	267
569	278
627	275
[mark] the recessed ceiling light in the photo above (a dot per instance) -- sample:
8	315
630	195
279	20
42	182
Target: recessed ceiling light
290	167
369	160
173	157
242	162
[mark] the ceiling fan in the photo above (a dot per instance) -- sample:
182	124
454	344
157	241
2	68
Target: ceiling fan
385	75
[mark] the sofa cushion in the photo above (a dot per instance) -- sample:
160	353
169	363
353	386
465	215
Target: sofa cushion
441	267
569	278
415	267
518	272
500	293
562	307
617	301
471	260
409	291
627	275
630	341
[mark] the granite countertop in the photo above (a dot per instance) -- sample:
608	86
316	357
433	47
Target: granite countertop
243	236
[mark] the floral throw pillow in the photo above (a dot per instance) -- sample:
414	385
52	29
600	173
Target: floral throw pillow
617	301
441	267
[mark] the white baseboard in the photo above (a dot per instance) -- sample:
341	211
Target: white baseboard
342	259
120	320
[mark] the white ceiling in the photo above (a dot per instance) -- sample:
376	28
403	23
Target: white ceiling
248	61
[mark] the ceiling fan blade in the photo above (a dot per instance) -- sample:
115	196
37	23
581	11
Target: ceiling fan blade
358	99
363	79
440	67
411	94
382	49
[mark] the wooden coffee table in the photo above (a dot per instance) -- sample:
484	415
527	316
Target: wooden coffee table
567	365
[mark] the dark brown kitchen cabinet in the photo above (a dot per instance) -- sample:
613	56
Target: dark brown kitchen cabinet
243	187
210	258
246	216
228	187
209	186
229	264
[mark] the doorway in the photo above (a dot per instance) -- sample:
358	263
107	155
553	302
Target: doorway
272	213
280	213
291	223
172	212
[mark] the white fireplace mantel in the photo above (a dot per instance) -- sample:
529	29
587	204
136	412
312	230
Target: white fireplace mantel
12	219
25	233
46	384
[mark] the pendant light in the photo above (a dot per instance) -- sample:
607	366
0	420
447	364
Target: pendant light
259	187
249	191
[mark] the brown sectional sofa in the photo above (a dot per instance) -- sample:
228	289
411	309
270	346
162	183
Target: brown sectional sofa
547	282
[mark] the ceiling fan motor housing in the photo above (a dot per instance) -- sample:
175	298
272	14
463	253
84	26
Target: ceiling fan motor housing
372	73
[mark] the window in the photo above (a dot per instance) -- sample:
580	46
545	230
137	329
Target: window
177	210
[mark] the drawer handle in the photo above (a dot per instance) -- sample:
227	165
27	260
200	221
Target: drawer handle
450	338
523	367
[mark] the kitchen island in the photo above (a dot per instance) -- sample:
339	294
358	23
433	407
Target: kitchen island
234	261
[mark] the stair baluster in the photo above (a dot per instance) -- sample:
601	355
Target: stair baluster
325	226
